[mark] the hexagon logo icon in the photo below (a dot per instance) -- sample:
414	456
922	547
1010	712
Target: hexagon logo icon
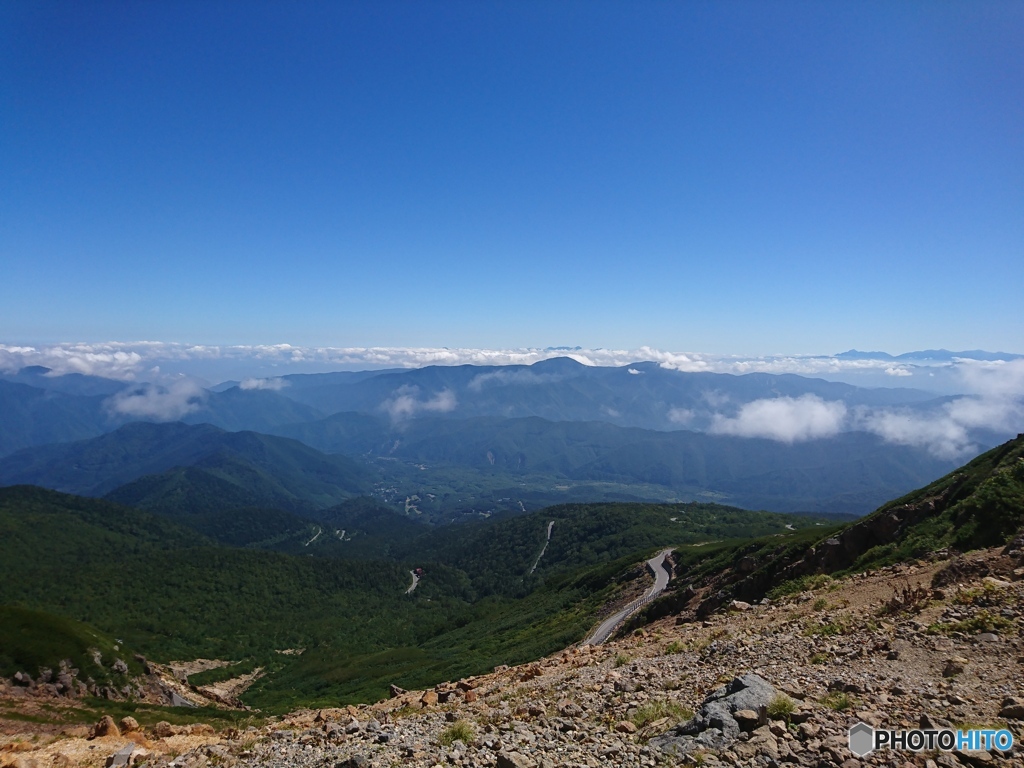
862	739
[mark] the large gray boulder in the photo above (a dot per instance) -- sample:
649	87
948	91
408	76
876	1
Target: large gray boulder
714	726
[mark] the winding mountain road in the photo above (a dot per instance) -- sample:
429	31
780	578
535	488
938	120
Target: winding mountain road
546	542
661	576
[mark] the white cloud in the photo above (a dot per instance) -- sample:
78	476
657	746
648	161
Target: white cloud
505	378
634	371
714	398
272	384
945	432
942	437
405	403
785	419
680	415
993	379
132	360
113	360
159	402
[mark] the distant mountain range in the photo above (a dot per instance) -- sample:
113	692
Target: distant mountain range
276	470
307	441
644	395
938	355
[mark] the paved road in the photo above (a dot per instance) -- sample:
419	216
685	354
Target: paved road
546	542
415	581
661	576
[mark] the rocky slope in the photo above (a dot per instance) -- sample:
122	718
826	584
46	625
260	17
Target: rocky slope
934	642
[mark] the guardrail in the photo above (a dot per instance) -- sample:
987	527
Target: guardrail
629	610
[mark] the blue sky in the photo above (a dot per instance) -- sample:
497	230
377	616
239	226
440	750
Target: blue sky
730	177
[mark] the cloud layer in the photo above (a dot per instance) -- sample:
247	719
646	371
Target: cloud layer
135	360
274	385
159	402
406	402
990	393
785	419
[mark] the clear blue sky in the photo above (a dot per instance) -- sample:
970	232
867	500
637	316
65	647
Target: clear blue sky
734	177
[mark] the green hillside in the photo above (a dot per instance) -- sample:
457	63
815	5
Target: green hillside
275	468
169	592
981	504
31	639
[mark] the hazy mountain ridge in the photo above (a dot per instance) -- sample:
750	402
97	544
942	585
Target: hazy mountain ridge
852	472
642	394
783	442
258	463
39	410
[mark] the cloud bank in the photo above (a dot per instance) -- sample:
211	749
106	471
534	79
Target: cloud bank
406	403
946	432
505	378
989	393
158	402
134	360
275	385
785	419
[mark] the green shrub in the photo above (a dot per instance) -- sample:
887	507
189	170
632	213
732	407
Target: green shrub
460	730
781	707
838	701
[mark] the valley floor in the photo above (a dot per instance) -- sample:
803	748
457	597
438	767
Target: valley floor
843	653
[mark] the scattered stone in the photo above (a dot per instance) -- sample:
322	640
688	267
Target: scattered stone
163	729
105	727
121	758
514	760
1012	711
715	725
955	666
748	719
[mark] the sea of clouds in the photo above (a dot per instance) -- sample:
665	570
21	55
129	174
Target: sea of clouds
169	381
138	359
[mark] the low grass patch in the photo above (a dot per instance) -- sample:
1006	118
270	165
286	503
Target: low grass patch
838	700
655	710
803	584
983	621
829	629
460	730
781	707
